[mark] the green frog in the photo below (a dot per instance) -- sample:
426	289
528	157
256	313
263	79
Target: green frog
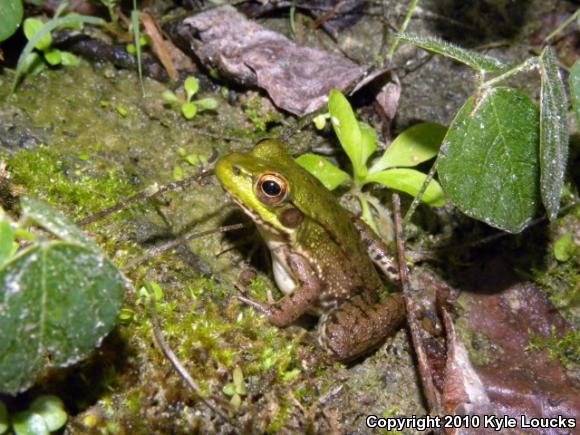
322	255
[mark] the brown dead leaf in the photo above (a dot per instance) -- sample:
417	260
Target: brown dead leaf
159	45
298	79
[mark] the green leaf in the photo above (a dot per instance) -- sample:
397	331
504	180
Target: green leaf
53	56
206	104
347	130
31	27
135	16
238	377
415	145
328	174
71	19
553	133
564	247
189	110
29	423
6	241
11	13
191	86
58	302
178	173
369	141
320	121
488	163
409	181
170	97
54	222
229	389
51	409
477	61
4	421
574	80
69	59
33	64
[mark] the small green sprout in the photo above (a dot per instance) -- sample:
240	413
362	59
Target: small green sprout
143	42
147	289
320	120
236	389
359	140
189	107
45	414
34	62
564	248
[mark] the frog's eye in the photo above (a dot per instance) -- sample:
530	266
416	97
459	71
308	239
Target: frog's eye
272	189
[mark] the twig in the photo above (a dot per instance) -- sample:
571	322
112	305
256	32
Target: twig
177	364
167	246
409	295
562	26
142	196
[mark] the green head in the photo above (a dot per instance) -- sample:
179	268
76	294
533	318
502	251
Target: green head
276	192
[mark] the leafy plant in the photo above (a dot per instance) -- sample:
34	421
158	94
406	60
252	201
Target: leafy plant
189	107
52	56
500	158
236	389
359	140
39	38
11	13
45	414
60	295
111	6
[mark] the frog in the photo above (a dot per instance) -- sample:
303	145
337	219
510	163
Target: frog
325	259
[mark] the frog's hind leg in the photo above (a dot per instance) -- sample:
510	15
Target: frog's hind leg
377	250
359	325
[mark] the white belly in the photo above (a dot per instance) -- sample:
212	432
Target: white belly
284	280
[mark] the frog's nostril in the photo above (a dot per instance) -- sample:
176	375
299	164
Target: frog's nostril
236	170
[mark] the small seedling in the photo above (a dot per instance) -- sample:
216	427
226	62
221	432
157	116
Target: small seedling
359	140
45	54
236	389
143	42
41	41
190	107
45	414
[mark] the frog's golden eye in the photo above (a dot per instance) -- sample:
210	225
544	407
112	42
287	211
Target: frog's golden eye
272	189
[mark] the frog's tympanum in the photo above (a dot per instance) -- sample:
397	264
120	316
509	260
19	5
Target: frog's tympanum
322	255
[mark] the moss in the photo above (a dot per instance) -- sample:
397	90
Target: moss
480	348
281	417
261	113
71	181
565	348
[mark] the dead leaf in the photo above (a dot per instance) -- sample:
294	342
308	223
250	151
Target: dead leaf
298	79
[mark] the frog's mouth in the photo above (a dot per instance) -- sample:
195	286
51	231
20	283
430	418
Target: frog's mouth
261	223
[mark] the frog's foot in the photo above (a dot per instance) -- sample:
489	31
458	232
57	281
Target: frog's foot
357	326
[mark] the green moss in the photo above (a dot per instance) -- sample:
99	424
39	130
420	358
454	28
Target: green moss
281	417
565	349
68	181
261	115
479	347
391	413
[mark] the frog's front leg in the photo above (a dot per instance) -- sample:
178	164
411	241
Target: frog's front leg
359	325
291	307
